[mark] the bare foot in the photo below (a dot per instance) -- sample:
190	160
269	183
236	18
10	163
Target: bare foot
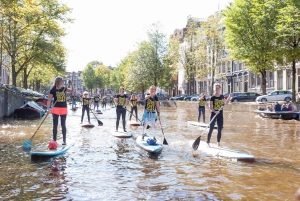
208	146
219	145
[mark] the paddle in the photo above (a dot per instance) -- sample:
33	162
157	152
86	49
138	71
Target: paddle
165	141
28	143
197	141
100	123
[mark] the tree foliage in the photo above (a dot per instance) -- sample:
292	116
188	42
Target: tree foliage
251	34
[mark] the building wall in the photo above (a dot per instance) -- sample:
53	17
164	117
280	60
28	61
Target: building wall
9	102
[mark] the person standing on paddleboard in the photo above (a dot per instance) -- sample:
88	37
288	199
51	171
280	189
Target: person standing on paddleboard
201	109
96	101
74	99
58	92
86	102
216	102
133	103
151	104
121	100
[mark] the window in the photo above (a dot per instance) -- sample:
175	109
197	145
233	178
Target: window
289	80
271	76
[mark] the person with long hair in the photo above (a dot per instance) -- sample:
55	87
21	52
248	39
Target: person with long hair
121	100
58	92
151	105
133	103
201	108
86	102
216	102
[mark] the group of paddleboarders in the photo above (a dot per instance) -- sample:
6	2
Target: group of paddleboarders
151	110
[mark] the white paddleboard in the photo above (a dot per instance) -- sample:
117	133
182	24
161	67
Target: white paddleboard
121	133
214	150
152	149
200	124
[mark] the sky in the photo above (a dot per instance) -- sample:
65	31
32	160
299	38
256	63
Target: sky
107	30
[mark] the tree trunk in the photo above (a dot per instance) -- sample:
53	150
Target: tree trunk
25	79
294	80
263	81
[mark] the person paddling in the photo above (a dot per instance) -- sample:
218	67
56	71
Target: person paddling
216	102
133	103
58	92
74	99
201	109
86	102
121	100
151	104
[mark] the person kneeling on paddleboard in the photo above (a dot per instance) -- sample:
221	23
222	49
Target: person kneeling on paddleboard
151	104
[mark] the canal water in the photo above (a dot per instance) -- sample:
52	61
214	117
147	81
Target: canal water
101	167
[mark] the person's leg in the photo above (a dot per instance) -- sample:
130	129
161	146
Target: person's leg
144	127
118	111
202	110
63	127
55	123
123	119
82	111
88	114
211	127
199	114
131	113
136	113
153	127
220	122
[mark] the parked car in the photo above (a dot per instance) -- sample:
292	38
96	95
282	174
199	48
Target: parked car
246	96
277	95
179	97
196	98
188	98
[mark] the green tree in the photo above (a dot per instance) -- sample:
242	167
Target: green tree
157	52
88	76
288	36
250	34
25	25
102	75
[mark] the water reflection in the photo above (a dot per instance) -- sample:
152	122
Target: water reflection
101	167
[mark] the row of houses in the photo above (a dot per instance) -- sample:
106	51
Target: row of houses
232	75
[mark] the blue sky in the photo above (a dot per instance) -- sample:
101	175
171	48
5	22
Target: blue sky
106	30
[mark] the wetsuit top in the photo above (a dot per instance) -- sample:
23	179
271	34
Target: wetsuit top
85	102
202	103
121	100
59	96
96	99
217	102
134	102
104	100
150	104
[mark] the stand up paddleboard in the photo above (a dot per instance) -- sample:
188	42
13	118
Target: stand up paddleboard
121	133
214	150
133	123
200	124
51	152
88	125
152	149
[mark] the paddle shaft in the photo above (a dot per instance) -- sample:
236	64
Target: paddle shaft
165	141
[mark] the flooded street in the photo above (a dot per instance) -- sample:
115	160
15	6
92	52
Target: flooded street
101	167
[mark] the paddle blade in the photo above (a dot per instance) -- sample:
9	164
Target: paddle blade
148	126
100	123
196	143
165	142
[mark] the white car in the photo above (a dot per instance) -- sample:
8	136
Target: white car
278	95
